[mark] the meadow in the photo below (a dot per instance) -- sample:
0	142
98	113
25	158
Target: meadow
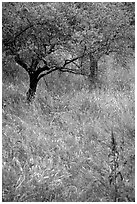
73	143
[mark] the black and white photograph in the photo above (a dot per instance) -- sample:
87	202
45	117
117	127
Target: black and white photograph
68	101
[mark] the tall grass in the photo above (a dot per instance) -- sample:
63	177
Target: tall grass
58	148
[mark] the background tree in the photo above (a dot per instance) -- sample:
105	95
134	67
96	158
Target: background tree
46	37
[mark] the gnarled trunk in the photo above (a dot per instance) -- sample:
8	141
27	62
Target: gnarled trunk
32	88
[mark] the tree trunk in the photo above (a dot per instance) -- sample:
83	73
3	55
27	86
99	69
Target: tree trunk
93	71
31	94
32	88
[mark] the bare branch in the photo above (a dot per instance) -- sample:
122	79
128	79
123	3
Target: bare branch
76	64
70	61
74	59
62	70
73	71
48	72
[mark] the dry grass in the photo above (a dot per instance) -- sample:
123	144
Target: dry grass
57	149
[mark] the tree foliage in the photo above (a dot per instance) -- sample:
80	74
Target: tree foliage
45	37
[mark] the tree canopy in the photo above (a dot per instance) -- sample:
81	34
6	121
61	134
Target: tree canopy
62	36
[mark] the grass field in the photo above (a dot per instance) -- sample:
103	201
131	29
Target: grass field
78	146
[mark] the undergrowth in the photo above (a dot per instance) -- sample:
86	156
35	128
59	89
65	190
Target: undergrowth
58	149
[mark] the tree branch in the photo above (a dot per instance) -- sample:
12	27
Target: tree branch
42	69
9	42
51	49
48	72
60	68
73	71
72	60
76	64
21	62
34	64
